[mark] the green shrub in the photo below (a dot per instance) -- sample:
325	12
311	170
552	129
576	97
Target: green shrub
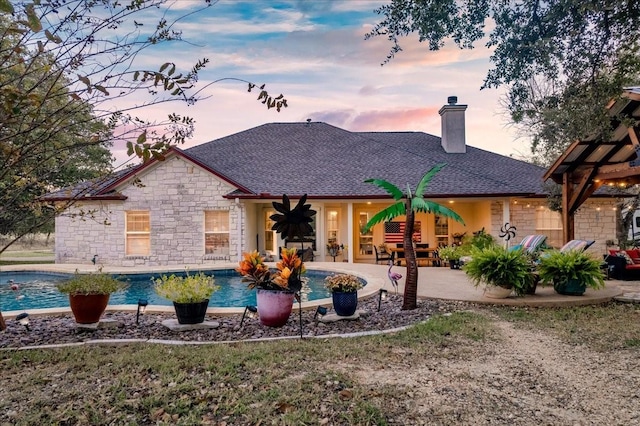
92	283
559	267
187	289
503	268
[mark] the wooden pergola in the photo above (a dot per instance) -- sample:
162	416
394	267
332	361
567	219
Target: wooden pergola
588	164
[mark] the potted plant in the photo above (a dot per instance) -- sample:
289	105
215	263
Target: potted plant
275	290
344	292
502	271
570	272
333	248
89	294
190	295
451	254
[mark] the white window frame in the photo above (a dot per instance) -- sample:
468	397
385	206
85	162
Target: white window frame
137	235
222	228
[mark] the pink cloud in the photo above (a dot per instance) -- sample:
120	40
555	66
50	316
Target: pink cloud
379	120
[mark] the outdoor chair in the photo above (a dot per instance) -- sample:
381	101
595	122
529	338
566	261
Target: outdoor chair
383	257
532	244
401	259
580	245
423	257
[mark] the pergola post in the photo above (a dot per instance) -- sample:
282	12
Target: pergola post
568	228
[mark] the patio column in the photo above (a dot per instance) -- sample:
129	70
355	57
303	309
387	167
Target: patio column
350	232
568	230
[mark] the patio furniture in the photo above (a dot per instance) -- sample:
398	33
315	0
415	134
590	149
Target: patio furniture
531	243
425	258
580	245
383	256
432	255
400	259
623	264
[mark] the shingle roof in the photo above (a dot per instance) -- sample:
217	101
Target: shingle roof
325	162
94	188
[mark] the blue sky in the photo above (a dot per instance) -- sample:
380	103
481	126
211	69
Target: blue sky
314	53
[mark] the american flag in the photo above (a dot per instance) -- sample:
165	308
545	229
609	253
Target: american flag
394	232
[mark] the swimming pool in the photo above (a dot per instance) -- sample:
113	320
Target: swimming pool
37	290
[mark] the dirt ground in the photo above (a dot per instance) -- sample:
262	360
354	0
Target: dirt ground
526	378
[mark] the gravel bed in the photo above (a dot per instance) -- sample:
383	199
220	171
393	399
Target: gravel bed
62	329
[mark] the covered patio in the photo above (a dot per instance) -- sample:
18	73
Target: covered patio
600	161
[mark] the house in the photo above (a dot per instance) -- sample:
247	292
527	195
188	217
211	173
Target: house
211	202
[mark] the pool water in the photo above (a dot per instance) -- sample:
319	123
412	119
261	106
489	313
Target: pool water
37	290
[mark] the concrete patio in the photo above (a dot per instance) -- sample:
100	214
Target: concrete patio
433	282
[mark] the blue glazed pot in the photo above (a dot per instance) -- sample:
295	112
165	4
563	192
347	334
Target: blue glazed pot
570	287
345	303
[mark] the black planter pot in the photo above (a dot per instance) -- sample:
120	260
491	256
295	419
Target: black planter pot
191	313
345	303
454	264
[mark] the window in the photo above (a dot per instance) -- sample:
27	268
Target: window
442	230
549	223
365	239
332	226
138	233
216	232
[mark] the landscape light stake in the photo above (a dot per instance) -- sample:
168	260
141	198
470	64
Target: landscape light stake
299	311
142	306
249	311
321	310
23	319
382	295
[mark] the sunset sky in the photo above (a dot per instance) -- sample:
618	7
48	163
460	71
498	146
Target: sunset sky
315	54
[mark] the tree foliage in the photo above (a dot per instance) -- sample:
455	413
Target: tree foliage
562	60
72	81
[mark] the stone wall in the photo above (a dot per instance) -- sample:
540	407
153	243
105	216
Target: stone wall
595	220
176	193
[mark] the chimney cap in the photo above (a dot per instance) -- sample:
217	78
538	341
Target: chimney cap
452	100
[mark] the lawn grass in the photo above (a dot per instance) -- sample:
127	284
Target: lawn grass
302	382
24	262
293	382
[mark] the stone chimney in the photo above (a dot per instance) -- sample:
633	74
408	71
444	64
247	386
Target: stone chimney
453	137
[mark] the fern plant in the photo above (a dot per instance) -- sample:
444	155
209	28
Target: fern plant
560	267
499	267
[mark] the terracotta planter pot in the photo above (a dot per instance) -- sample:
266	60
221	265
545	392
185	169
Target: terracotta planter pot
88	308
274	307
497	292
191	313
345	303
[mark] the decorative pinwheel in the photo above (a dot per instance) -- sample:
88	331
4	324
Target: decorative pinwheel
291	223
507	232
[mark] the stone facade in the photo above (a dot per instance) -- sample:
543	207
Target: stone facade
595	220
176	193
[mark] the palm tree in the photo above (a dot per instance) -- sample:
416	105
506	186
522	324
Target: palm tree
407	205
